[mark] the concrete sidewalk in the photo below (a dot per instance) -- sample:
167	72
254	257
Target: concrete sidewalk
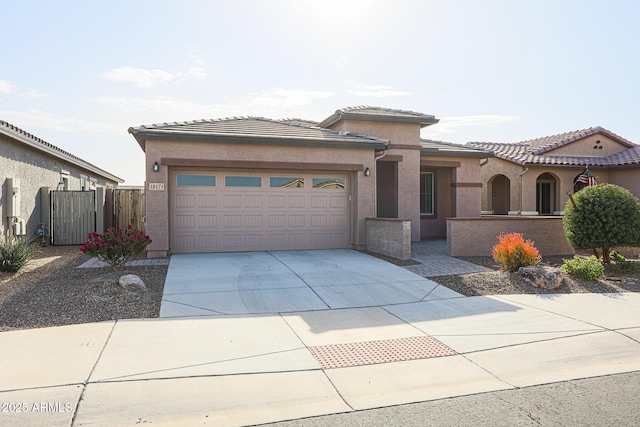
257	368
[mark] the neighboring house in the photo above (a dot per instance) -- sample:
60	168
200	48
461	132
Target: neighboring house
535	177
250	183
27	164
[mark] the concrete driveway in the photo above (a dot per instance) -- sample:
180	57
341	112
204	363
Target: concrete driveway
288	281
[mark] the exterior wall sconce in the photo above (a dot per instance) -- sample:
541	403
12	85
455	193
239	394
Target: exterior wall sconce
367	172
156	167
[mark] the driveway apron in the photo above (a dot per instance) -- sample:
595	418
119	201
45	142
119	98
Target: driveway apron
213	284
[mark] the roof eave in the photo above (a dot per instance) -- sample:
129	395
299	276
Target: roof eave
142	136
61	155
423	121
467	154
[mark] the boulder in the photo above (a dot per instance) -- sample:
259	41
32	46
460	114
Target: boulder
131	282
542	276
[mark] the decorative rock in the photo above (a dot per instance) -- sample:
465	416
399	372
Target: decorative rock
542	276
131	282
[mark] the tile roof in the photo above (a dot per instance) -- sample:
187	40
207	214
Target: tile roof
365	112
441	148
299	122
259	129
33	141
536	151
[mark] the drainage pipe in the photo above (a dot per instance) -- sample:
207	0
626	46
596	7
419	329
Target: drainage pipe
375	183
520	184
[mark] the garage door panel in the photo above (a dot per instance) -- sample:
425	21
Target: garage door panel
232	201
183	201
277	221
297	201
338	202
216	218
207	201
207	221
277	201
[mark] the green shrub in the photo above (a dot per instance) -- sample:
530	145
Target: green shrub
623	265
513	252
586	268
14	254
604	216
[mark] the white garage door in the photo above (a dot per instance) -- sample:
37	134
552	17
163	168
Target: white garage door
217	211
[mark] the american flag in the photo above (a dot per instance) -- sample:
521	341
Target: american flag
586	178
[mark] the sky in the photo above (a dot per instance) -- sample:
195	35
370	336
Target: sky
79	74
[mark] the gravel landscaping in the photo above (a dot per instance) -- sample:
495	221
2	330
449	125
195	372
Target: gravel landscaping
51	291
504	283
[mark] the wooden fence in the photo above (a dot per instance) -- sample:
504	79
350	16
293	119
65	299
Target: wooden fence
129	209
73	216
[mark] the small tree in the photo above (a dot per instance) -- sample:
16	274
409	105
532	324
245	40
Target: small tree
604	216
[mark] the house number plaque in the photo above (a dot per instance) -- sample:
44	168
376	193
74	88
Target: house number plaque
157	186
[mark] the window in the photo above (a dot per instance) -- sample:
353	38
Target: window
84	183
283	182
328	182
196	180
426	194
243	181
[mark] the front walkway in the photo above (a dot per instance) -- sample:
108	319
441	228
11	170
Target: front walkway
434	261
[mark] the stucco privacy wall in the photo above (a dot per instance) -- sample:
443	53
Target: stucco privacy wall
477	236
34	170
389	236
198	153
405	142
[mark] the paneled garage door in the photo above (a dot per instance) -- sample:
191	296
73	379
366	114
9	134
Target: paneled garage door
214	211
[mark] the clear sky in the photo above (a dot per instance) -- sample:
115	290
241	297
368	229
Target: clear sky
78	74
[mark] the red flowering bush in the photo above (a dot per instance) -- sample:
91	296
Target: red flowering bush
116	247
513	252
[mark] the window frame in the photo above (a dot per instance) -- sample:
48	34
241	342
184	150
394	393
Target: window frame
433	214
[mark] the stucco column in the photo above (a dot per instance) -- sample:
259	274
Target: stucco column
157	206
409	191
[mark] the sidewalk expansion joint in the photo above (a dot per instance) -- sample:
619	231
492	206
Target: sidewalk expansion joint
375	352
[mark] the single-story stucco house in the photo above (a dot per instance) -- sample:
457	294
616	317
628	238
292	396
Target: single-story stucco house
251	183
29	164
535	177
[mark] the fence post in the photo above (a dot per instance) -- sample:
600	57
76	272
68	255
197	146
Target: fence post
100	210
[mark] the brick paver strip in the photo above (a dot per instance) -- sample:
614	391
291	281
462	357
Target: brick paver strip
374	352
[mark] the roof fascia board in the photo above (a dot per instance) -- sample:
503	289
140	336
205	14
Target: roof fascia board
334	118
442	153
60	155
267	140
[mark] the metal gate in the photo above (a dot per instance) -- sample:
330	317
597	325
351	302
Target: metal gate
73	216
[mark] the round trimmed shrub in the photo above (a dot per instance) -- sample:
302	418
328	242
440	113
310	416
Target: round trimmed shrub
604	216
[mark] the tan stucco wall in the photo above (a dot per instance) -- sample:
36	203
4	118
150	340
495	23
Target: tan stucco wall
477	236
627	178
564	183
158	203
467	196
396	133
403	134
585	147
